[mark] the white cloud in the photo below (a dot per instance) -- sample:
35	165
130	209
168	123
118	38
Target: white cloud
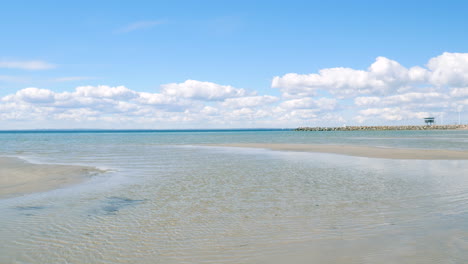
414	97
418	74
140	25
367	101
401	99
35	95
26	65
449	69
79	114
104	91
310	103
300	114
201	90
249	101
390	114
209	110
156	99
459	92
385	92
383	76
116	104
386	89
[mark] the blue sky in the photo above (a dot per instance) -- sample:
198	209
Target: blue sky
144	45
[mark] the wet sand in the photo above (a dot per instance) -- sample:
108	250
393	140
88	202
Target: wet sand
18	177
360	151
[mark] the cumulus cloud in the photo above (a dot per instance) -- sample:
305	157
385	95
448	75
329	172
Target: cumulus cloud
310	103
201	90
449	69
104	91
79	114
399	99
156	99
26	65
249	101
35	95
384	92
459	92
367	101
209	110
384	76
186	103
390	114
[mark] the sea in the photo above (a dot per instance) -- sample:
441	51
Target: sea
170	196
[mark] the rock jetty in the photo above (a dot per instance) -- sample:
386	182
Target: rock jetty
356	128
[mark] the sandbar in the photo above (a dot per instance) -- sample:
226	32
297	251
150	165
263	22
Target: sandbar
360	151
19	177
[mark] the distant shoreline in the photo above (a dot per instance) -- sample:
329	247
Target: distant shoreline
91	130
381	128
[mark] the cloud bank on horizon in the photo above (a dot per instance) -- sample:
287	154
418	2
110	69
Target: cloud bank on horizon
385	93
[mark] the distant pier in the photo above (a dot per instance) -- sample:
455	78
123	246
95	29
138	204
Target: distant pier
377	128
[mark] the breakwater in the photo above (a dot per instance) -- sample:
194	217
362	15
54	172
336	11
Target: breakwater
356	128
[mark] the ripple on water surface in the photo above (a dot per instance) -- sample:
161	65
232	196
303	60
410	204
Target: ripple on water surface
221	205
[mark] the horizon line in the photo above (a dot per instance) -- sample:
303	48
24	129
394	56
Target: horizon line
137	129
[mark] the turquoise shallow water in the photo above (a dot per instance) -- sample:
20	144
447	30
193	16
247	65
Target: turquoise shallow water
164	199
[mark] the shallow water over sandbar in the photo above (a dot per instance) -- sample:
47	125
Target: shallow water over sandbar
158	202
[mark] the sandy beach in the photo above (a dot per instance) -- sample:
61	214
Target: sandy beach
19	177
360	151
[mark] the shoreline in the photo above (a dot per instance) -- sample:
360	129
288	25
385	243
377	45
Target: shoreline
19	177
358	151
383	128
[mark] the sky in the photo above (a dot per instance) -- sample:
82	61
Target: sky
231	64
